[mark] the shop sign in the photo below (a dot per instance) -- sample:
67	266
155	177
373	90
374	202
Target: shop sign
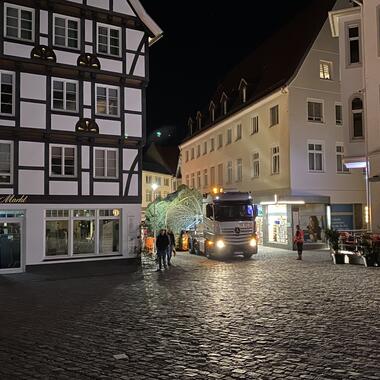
13	199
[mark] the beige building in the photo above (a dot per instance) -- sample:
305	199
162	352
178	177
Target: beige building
357	28
275	128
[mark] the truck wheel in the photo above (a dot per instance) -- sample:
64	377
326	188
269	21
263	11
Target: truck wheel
248	255
207	252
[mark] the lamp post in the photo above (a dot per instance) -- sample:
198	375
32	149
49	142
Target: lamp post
154	188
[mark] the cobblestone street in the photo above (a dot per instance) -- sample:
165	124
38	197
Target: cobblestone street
271	317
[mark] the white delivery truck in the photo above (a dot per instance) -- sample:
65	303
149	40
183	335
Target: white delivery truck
227	226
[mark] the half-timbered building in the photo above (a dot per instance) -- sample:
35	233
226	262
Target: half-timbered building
73	76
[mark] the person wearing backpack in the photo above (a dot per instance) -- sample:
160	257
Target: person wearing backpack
298	241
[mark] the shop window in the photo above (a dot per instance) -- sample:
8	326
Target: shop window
277	224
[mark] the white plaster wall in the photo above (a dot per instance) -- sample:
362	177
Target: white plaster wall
134	38
140	67
134	186
129	59
133	99
106	188
7	123
111	65
31	154
109	127
66	57
99	3
63	188
85	157
88	31
129	156
133	125
33	115
31	182
33	86
44	22
87	93
6	191
87	113
44	41
85	183
63	122
17	50
122	6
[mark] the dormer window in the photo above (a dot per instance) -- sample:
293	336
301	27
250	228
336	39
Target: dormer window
190	125
223	102
243	90
212	112
199	120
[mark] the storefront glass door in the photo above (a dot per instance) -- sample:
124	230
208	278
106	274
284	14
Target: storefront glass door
10	247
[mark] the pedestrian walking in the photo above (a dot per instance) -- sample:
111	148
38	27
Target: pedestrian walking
162	243
171	246
298	241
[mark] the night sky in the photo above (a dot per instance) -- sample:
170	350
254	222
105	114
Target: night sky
203	40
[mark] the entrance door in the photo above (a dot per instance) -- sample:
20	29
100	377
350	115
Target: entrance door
10	247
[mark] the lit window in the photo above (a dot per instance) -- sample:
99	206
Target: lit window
107	100
315	111
109	40
325	70
106	163
315	154
65	95
274	118
148	196
66	32
19	22
148	179
166	181
62	161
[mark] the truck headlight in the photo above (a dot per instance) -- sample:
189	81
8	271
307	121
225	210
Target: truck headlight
220	244
253	242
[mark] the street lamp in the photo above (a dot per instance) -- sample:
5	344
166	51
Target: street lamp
154	188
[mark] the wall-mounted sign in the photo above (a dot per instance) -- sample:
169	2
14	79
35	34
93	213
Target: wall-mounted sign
13	198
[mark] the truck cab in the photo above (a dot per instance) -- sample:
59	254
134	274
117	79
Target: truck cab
227	226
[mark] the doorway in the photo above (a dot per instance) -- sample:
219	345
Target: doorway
11	260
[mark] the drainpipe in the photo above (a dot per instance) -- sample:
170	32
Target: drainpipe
364	92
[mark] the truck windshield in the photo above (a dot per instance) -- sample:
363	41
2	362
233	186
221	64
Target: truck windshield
236	211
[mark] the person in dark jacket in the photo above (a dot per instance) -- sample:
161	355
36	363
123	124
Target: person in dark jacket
162	243
171	245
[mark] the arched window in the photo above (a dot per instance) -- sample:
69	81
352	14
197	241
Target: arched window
199	120
223	103
243	90
212	111
357	118
190	125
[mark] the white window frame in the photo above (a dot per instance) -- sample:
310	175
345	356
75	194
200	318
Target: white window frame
312	118
255	164
275	154
109	27
63	148
107	87
65	81
254	124
11	162
314	152
344	169
67	18
105	162
272	122
325	70
239	132
341	111
12	73
19	9
239	170
348	42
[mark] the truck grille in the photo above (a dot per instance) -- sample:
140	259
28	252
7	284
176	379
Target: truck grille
233	238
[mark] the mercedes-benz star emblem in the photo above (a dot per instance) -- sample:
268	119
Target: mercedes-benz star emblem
237	230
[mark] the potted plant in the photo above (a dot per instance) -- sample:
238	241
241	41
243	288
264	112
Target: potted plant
333	237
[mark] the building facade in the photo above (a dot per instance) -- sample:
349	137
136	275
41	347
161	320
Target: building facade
275	128
72	125
357	30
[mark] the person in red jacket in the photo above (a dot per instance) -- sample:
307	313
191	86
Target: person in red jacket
298	241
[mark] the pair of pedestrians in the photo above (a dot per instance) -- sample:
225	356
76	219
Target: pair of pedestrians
165	244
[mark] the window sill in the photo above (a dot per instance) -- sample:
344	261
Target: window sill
108	117
63	178
316	171
110	56
68	49
273	125
81	256
19	40
316	121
